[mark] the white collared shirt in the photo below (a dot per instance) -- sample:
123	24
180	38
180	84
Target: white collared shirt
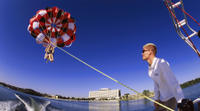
165	84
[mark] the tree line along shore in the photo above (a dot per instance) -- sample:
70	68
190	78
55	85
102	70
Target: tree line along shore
126	96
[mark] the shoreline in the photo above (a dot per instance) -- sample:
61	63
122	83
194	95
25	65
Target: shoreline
58	97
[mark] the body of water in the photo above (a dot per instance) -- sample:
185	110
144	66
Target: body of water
11	100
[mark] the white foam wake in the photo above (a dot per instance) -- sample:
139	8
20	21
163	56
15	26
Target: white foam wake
33	106
8	105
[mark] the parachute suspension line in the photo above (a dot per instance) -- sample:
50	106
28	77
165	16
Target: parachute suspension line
190	43
49	36
113	79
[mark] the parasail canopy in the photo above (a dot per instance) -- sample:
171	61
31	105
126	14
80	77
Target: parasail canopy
53	26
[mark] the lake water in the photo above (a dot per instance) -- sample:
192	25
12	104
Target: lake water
15	101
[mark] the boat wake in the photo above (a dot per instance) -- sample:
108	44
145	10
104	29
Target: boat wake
32	105
9	105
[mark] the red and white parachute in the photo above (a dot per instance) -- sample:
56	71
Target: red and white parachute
53	26
184	30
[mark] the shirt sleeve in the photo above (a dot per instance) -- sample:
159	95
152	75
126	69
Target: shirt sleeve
156	91
171	81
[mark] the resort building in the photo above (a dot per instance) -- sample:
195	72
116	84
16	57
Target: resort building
105	93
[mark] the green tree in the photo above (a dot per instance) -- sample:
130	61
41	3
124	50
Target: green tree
126	96
146	92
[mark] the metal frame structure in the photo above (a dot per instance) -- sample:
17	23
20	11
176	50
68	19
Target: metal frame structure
179	24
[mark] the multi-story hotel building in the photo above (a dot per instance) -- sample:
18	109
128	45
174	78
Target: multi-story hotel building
105	93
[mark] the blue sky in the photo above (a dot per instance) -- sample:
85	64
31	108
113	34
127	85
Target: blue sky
110	35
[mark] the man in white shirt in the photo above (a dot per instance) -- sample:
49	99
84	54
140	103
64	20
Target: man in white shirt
166	88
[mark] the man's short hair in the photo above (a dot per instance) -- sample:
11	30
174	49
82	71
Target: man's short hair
152	47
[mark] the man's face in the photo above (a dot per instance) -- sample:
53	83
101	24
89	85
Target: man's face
145	53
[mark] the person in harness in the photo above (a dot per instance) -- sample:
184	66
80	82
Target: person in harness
49	53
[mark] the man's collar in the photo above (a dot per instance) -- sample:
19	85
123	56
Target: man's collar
153	63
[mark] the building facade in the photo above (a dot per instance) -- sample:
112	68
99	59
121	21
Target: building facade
105	93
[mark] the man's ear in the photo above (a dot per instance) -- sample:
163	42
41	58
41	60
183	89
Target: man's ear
150	52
